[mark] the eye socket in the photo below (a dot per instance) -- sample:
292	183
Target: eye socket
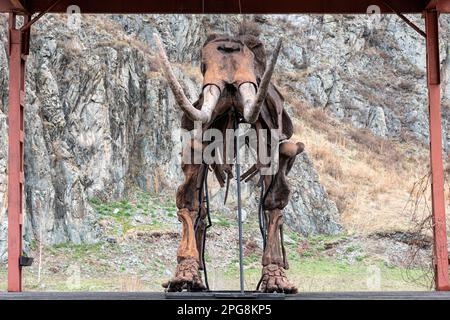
203	68
228	49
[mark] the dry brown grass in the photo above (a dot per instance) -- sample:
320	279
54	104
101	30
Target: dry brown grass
369	177
131	284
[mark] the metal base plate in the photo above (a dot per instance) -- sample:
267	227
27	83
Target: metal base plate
225	295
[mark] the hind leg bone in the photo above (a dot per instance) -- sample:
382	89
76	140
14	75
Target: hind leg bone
274	260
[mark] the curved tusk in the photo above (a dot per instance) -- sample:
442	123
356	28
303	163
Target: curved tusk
251	112
184	103
247	91
211	95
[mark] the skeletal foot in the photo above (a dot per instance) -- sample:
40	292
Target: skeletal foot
187	277
274	280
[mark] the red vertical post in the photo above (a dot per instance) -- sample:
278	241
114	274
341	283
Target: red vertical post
437	168
18	50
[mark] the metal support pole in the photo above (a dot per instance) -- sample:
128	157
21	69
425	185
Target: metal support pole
437	169
239	204
18	50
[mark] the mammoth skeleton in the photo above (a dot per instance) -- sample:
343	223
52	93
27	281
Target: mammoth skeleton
237	88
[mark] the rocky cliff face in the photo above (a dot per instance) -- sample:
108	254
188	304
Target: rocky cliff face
100	118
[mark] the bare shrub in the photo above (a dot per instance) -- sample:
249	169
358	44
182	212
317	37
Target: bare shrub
131	284
249	28
332	166
406	85
339	196
421	226
381	147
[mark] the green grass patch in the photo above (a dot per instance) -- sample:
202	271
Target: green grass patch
76	251
222	222
327	274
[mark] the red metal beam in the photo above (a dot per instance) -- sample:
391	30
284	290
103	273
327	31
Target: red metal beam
437	169
226	6
404	18
12	6
18	47
27	25
443	6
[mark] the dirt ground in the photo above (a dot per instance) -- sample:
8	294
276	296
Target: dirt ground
137	252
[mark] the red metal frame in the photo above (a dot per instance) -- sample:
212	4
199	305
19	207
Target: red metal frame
437	169
18	51
218	6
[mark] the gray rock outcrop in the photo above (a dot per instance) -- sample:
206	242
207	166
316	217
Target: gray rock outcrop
100	117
